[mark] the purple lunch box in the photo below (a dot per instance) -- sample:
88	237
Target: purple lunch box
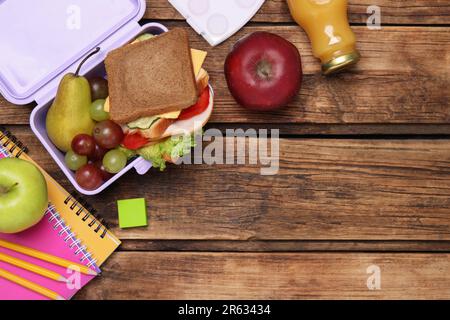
42	40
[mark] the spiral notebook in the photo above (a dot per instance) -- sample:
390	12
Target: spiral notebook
70	229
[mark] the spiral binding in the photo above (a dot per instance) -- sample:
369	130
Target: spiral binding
66	232
82	208
13	141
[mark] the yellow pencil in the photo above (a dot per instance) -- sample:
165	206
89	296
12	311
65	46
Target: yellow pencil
30	285
32	267
47	257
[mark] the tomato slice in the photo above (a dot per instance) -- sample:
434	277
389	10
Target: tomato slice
201	105
134	141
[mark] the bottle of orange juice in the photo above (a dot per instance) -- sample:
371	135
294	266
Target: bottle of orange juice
327	26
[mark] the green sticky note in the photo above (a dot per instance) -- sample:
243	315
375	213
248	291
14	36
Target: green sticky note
132	213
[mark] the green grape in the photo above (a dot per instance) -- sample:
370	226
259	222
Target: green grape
114	161
98	112
75	161
144	37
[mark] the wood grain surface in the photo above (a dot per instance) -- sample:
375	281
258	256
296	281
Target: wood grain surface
365	246
326	189
398	81
286	276
393	11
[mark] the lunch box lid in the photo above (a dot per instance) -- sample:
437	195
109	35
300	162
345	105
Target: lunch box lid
42	40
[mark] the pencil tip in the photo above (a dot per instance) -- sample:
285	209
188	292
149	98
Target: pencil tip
92	272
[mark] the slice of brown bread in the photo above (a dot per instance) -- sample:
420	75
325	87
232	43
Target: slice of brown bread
151	77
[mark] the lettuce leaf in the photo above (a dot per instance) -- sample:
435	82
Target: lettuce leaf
175	147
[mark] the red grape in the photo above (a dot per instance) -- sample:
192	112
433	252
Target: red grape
99	88
83	145
105	174
98	153
108	134
89	177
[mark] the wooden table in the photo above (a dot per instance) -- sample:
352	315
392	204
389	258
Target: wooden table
364	178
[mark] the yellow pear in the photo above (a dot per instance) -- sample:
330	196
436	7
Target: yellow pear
69	114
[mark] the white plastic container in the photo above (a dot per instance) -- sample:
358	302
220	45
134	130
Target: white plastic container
42	40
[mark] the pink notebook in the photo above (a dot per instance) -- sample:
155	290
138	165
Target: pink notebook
68	230
45	238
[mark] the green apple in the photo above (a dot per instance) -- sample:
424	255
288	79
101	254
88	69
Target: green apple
23	195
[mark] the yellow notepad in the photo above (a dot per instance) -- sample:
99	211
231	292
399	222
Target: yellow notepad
100	243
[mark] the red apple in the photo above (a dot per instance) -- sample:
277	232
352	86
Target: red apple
263	71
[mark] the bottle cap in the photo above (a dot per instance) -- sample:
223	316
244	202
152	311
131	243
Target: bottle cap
340	62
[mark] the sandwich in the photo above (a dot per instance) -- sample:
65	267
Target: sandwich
159	95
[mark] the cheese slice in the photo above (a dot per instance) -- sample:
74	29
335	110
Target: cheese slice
171	115
198	58
106	106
